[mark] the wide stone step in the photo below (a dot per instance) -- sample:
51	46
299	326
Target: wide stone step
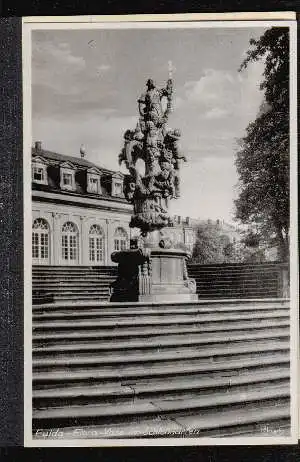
144	357
71	290
161	342
72	267
131	321
238	303
113	333
156	386
74	289
60	290
70	276
48	297
229	268
89	313
220	283
262	418
71	280
235	267
237	294
241	292
105	412
226	288
236	276
259	289
67	285
101	295
233	270
74	272
166	369
62	297
163	330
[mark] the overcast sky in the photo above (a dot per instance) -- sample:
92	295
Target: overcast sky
86	85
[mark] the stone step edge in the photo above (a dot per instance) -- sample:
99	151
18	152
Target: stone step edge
109	333
177	384
158	370
76	291
161	406
105	313
157	357
133	321
104	334
192	302
149	428
162	343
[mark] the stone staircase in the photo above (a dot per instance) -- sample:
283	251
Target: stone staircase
60	284
239	280
207	368
71	283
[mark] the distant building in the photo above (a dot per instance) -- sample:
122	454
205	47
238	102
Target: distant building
79	212
271	254
182	232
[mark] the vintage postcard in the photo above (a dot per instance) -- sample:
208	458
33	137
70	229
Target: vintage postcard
160	223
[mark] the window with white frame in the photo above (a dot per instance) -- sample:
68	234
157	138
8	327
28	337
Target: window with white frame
120	239
67	178
96	244
118	189
117	186
39	173
40	241
69	243
93	184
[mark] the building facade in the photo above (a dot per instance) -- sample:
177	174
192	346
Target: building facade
79	212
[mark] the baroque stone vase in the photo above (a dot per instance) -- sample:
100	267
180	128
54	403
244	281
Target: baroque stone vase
154	271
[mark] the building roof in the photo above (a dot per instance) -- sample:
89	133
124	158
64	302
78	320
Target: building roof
77	161
82	165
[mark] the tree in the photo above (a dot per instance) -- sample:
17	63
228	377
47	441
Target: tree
263	157
212	245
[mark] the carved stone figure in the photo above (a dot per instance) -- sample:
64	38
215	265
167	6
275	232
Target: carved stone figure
150	107
159	274
159	149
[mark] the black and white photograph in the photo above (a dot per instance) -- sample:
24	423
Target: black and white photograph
160	174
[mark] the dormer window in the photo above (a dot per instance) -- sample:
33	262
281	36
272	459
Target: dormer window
93	185
118	189
67	176
39	172
93	181
117	185
67	179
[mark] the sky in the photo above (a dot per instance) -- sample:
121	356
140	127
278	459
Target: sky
85	86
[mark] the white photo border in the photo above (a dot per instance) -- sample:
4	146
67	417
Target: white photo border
201	20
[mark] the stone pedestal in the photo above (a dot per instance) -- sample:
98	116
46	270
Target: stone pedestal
152	275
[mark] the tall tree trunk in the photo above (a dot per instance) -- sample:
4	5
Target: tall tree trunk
283	245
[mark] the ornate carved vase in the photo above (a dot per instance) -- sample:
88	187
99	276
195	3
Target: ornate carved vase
155	271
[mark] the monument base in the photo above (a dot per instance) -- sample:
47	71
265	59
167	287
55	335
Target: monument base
168	298
152	275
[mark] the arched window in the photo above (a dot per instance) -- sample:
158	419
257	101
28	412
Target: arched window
96	244
120	239
69	247
40	242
